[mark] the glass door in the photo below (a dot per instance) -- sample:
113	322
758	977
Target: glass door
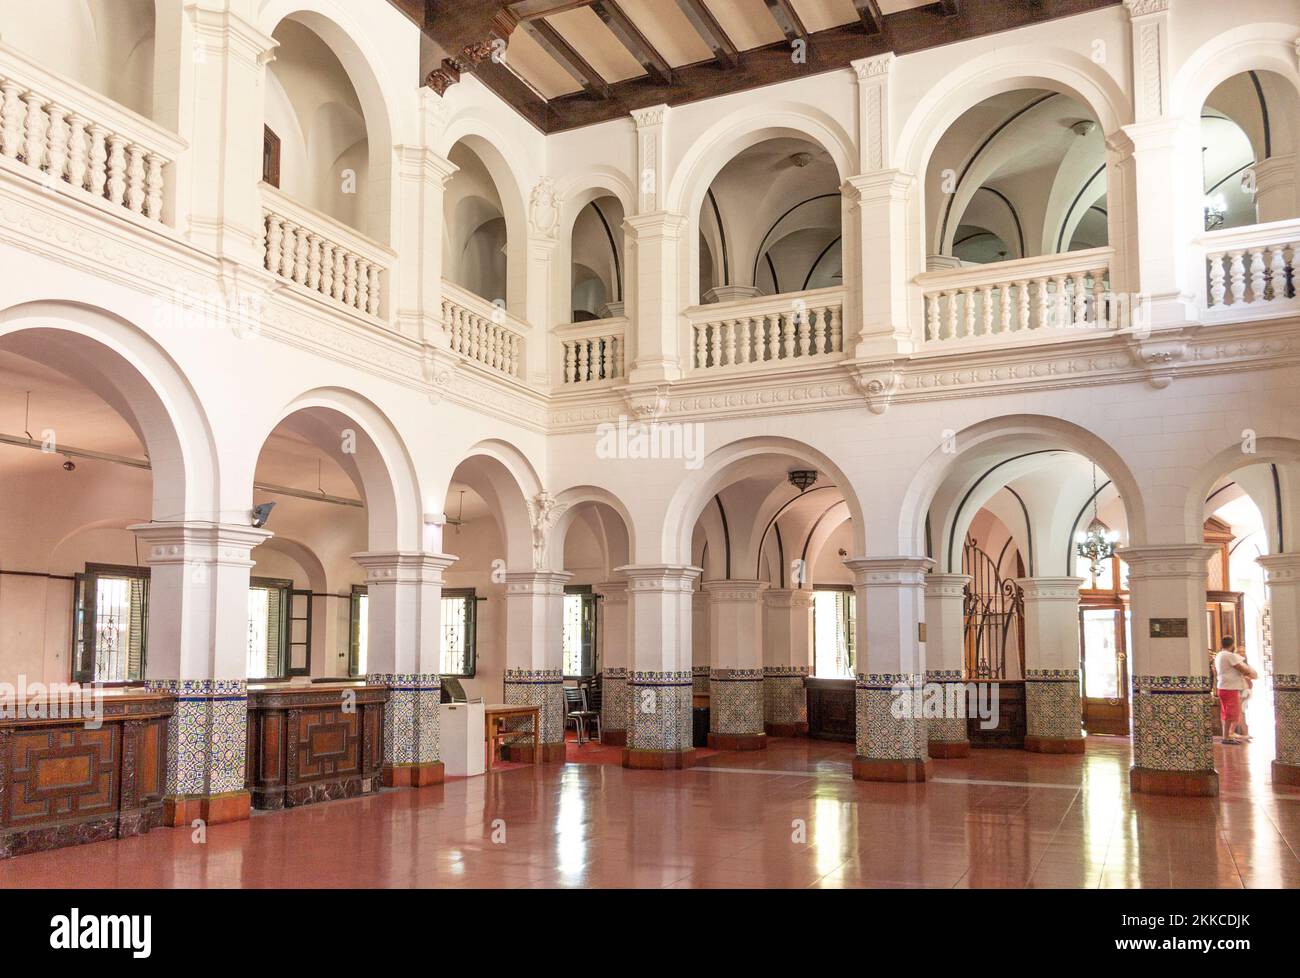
1104	652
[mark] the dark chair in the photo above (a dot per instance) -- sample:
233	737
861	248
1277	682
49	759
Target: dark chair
592	691
577	712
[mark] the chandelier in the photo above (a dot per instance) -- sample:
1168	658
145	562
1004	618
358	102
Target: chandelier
1096	543
802	479
1216	211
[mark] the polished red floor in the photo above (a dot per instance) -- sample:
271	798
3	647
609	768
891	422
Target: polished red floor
790	816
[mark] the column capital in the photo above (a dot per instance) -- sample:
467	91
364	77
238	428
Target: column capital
734	590
423	162
1170	561
946	585
403	567
660	577
185	541
883	185
874	67
650	116
536	582
787	597
220	29
1146	8
657	224
889	571
1280	568
612	592
1050	588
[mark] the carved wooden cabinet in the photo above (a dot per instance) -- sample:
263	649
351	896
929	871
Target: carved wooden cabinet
65	782
314	743
1012	718
832	709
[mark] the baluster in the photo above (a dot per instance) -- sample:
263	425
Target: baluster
290	247
968	311
341	276
766	339
153	200
785	332
363	284
34	146
497	347
570	362
376	290
1218	278
78	160
350	281
615	356
715	344
834	317
747	339
136	176
1022	305
582	361
327	249
1256	274
1099	314
1276	273
1061	301
98	160
986	317
1238	275
274	242
301	255
1080	300
117	169
58	158
606	356
313	262
1004	308
950	306
803	330
729	331
701	347
932	316
1042	311
478	340
15	119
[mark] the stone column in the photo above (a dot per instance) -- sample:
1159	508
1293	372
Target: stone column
614	662
403	653
701	647
787	660
945	660
891	727
1283	576
736	665
1053	706
659	682
1174	710
535	657
1276	196
198	644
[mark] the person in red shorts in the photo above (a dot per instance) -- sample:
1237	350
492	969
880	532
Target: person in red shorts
1232	671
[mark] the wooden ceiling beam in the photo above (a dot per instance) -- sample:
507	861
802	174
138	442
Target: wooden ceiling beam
630	36
569	59
707	26
787	18
950	8
869	12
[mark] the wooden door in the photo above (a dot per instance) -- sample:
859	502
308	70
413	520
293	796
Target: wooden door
1103	647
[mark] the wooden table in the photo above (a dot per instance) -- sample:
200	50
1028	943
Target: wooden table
496	714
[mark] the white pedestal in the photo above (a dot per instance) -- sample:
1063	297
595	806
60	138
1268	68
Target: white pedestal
461	739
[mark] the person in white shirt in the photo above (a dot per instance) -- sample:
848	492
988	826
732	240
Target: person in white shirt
1232	672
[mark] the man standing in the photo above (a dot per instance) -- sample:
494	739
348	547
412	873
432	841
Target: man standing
1232	671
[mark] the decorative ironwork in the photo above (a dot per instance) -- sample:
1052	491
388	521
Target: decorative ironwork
994	616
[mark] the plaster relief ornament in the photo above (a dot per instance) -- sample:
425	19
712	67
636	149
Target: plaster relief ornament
877	382
544	210
543	513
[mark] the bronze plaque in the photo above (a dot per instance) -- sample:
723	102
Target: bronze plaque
1168	628
920	631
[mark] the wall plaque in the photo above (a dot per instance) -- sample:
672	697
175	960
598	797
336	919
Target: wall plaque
1168	628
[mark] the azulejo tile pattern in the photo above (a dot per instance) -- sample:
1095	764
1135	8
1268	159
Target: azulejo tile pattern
1173	723
700	677
412	717
784	698
1286	711
538	687
659	710
1053	707
880	734
613	699
207	735
736	701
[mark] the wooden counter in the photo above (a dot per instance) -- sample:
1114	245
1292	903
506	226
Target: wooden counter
63	783
832	709
311	743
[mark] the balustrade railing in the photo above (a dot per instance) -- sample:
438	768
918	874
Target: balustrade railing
80	140
997	302
324	256
592	352
795	328
482	332
1252	270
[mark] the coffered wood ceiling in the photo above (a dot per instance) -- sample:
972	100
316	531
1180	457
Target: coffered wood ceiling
571	63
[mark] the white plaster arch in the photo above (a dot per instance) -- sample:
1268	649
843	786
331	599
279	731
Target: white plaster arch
126	368
1249	47
1281	452
577	191
614	517
507	481
729	464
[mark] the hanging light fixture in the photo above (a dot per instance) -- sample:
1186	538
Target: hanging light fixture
1096	543
1216	211
801	479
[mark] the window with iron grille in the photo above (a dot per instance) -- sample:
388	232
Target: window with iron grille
110	624
834	637
579	632
458	623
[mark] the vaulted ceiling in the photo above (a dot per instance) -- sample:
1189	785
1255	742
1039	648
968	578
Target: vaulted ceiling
569	63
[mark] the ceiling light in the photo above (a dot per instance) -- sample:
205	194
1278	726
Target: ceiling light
801	479
1083	127
261	514
801	159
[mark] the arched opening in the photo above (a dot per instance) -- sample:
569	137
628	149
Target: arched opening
598	261
1019	175
770	222
317	141
1248	151
106	45
477	233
